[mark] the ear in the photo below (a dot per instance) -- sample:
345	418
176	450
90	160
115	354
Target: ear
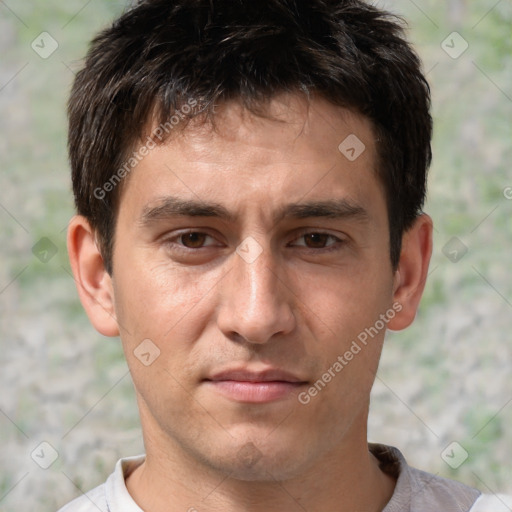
412	271
92	280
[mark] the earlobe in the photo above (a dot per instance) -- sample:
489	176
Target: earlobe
93	282
412	271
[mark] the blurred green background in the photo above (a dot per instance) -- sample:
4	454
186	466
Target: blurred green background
446	379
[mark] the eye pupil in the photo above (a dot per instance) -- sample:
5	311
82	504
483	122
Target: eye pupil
193	240
317	239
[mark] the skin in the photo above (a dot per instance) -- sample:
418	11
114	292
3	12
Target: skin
297	307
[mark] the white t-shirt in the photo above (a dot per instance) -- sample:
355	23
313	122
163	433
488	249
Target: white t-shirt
415	490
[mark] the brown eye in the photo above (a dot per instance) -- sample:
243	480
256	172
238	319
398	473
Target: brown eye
316	240
193	240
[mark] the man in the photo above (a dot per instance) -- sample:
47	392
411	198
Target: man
249	179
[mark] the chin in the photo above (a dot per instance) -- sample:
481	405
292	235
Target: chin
260	462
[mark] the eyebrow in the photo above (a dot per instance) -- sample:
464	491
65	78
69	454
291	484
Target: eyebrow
171	206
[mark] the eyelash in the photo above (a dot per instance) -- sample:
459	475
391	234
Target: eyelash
333	247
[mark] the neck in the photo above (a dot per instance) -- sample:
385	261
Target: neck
347	478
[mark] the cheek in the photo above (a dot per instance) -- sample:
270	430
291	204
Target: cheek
158	299
341	304
345	316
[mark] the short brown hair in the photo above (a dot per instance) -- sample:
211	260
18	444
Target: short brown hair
161	53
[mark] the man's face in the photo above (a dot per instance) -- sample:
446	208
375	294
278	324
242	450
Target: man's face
287	264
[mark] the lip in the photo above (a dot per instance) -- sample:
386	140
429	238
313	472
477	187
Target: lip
245	385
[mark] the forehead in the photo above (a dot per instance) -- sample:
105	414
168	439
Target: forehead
297	148
288	126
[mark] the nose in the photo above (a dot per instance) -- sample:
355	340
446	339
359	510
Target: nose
255	301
